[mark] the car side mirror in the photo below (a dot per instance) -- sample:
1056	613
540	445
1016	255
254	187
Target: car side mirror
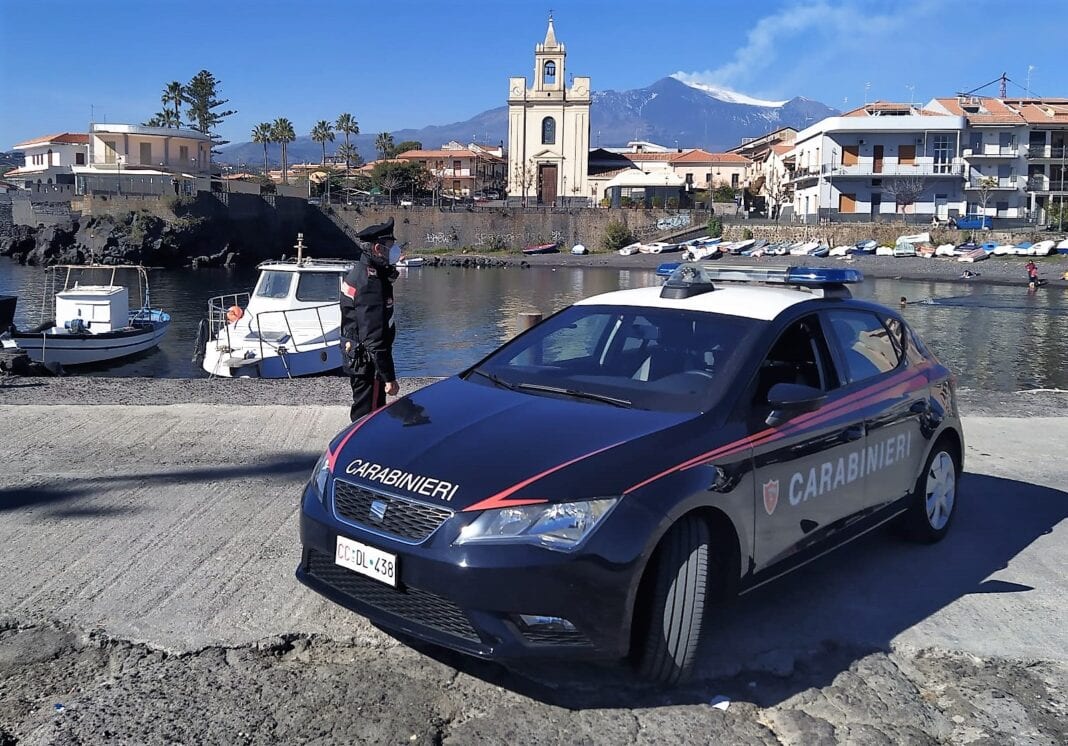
791	399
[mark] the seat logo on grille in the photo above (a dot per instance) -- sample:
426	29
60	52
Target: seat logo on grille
378	510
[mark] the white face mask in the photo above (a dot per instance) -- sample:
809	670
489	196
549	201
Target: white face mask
394	253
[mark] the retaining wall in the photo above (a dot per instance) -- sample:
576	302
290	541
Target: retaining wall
841	234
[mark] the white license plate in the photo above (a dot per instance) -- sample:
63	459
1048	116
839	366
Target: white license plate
374	563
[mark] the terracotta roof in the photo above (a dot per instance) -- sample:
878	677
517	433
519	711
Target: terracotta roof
703	156
782	149
1043	111
60	138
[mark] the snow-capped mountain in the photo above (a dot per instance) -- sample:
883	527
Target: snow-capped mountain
668	112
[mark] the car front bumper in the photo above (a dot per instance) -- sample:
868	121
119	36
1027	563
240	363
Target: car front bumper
469	597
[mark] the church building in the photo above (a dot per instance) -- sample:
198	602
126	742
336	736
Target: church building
549	131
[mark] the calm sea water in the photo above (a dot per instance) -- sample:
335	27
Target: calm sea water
994	337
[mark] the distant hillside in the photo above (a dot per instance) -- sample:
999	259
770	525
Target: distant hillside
666	112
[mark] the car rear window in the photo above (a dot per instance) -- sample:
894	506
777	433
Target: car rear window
660	359
866	345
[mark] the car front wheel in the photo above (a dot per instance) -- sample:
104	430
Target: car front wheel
934	501
671	607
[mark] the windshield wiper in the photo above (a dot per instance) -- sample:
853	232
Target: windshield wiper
498	381
574	394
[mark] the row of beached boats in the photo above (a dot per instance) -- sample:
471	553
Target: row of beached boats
918	244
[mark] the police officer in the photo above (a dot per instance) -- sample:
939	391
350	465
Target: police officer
367	329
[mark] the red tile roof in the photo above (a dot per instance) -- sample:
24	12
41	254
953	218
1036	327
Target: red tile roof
59	138
703	156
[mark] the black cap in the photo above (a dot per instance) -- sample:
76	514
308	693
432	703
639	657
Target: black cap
375	232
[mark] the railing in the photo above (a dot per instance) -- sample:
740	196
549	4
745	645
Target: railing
1047	151
896	169
994	151
1002	182
260	324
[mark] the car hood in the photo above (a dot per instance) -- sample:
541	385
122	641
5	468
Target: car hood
473	446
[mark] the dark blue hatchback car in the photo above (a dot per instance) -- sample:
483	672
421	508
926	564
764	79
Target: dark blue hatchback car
594	485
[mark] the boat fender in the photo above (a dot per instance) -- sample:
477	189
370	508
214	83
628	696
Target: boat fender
233	313
200	346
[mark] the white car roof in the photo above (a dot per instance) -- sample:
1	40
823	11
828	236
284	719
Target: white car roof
751	301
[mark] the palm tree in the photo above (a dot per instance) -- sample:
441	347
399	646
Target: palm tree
347	125
321	133
174	92
165	118
282	132
384	144
262	133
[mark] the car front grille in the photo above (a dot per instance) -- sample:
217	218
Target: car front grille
412	604
405	519
556	637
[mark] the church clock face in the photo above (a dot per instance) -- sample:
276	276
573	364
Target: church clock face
517	90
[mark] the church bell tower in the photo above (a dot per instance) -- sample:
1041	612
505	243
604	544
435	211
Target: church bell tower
548	131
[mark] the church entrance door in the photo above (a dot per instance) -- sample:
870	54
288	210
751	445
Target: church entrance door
547	178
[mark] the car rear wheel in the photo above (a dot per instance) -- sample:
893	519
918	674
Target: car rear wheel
671	607
934	501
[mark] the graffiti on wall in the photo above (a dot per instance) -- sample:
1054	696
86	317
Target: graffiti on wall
681	220
498	240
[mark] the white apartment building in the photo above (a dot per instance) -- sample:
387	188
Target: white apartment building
134	159
49	159
1004	158
859	165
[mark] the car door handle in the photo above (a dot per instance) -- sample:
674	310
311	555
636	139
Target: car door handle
854	433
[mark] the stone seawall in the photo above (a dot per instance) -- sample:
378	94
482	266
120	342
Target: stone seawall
503	228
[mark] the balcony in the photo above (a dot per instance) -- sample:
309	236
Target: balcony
994	151
868	170
1000	183
1042	183
1048	151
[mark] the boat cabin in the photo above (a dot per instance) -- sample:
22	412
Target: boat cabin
95	308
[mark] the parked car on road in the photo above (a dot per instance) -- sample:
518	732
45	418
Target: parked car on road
601	482
974	222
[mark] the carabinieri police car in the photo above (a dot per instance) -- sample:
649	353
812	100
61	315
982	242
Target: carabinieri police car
596	484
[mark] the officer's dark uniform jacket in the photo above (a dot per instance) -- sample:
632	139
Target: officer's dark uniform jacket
367	319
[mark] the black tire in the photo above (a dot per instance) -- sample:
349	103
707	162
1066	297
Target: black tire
672	603
918	523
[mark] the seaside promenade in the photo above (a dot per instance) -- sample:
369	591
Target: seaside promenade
148	538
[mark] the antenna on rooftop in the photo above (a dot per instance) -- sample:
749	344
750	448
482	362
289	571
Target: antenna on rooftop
1001	89
867	86
300	248
1029	69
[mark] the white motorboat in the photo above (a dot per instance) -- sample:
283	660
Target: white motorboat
804	249
946	249
1042	248
91	318
915	238
410	261
697	253
658	247
840	251
973	255
288	326
630	249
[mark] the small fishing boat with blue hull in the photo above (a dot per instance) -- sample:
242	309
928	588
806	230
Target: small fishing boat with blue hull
91	321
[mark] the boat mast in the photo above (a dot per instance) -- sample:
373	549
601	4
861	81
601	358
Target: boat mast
300	248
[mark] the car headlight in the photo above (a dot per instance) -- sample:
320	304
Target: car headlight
321	475
560	526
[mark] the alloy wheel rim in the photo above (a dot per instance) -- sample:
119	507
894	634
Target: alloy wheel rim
941	490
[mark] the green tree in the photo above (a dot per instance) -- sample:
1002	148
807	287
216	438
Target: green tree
262	133
616	235
404	177
282	132
322	133
165	118
200	94
715	227
723	193
384	145
406	145
174	94
347	125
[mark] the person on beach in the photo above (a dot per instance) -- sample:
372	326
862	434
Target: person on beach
1032	274
367	328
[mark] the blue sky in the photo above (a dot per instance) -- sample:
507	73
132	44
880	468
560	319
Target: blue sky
411	63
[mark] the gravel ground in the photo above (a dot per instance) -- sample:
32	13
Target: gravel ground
61	686
995	270
326	389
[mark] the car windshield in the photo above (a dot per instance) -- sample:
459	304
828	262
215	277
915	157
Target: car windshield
646	358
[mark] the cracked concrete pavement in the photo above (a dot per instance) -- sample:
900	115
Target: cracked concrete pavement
147	595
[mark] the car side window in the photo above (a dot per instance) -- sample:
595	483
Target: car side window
865	343
800	355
